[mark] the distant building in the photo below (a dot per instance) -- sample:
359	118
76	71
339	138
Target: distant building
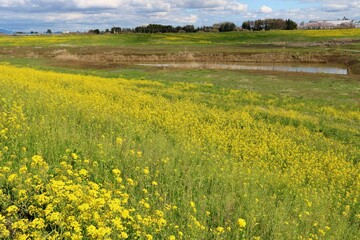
331	24
334	22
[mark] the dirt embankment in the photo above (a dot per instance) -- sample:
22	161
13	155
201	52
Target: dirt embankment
116	58
119	58
98	57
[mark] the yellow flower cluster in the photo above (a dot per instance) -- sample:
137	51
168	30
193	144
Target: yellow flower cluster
68	204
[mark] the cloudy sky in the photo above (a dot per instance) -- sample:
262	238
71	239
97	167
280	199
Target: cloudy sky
81	15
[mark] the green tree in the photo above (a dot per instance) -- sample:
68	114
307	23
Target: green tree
290	25
227	27
115	30
246	25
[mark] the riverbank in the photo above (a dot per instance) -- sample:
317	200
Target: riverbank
99	52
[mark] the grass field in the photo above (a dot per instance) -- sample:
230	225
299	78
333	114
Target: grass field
147	153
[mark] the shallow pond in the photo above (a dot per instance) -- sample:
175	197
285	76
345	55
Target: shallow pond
307	68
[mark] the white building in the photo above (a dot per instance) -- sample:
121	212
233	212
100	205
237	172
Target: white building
337	22
330	24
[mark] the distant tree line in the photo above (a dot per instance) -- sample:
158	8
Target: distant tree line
258	25
158	28
270	24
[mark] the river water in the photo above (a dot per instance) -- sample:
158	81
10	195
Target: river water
307	68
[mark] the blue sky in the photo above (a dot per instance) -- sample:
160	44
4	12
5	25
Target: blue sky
81	15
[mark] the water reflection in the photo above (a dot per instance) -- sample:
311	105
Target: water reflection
318	68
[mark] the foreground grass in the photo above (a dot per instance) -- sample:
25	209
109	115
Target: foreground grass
92	157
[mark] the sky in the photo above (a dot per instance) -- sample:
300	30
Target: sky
82	15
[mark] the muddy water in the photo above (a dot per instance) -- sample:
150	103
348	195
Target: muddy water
313	68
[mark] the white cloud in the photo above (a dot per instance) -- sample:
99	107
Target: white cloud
193	4
85	14
12	3
187	19
97	4
150	6
266	9
236	6
335	7
61	4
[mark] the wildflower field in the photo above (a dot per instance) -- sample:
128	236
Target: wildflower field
133	152
89	157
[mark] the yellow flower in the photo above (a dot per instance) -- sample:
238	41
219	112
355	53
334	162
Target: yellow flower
22	195
130	181
146	171
38	223
36	159
22	224
55	217
2	219
220	229
119	141
4	233
241	222
84	207
193	206
83	172
116	171
91	230
12	209
125	214
22	237
124	235
23	169
12	177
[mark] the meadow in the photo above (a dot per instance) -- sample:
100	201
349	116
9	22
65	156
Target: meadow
146	153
